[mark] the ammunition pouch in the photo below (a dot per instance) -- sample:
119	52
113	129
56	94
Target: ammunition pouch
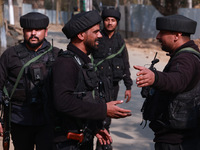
19	97
104	69
90	76
153	106
37	72
118	69
36	96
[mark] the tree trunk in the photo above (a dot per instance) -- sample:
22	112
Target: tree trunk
11	12
3	39
96	6
57	11
189	3
116	4
1	13
126	18
169	7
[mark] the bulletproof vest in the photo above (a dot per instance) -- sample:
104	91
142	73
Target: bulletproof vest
184	108
183	111
87	81
85	91
114	67
30	89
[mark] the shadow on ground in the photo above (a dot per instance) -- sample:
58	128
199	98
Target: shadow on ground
127	133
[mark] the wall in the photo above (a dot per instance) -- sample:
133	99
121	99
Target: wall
26	8
141	18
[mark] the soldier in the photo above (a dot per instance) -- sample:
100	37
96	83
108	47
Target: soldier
113	55
30	118
75	88
173	102
116	68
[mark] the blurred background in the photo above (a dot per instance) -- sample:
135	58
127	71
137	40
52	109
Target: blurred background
138	16
137	26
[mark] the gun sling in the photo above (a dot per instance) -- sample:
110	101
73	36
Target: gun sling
7	102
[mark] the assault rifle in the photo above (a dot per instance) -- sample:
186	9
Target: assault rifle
85	136
6	123
75	136
146	90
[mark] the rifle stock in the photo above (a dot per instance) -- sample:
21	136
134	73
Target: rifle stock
75	136
6	144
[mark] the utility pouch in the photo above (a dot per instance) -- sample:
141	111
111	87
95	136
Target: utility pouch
90	76
118	69
104	69
154	105
19	97
37	72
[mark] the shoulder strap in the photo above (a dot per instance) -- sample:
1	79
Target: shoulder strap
108	57
77	59
188	50
21	72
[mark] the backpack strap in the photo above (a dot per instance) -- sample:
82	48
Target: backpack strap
21	72
188	50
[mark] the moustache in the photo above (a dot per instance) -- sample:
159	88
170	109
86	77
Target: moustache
33	36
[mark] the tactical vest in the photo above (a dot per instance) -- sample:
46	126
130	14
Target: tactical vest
86	90
87	81
183	111
114	67
30	89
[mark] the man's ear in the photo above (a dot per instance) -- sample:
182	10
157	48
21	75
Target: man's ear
81	35
177	35
46	32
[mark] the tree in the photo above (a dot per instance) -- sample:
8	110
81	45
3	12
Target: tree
169	7
1	13
11	12
190	3
3	40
